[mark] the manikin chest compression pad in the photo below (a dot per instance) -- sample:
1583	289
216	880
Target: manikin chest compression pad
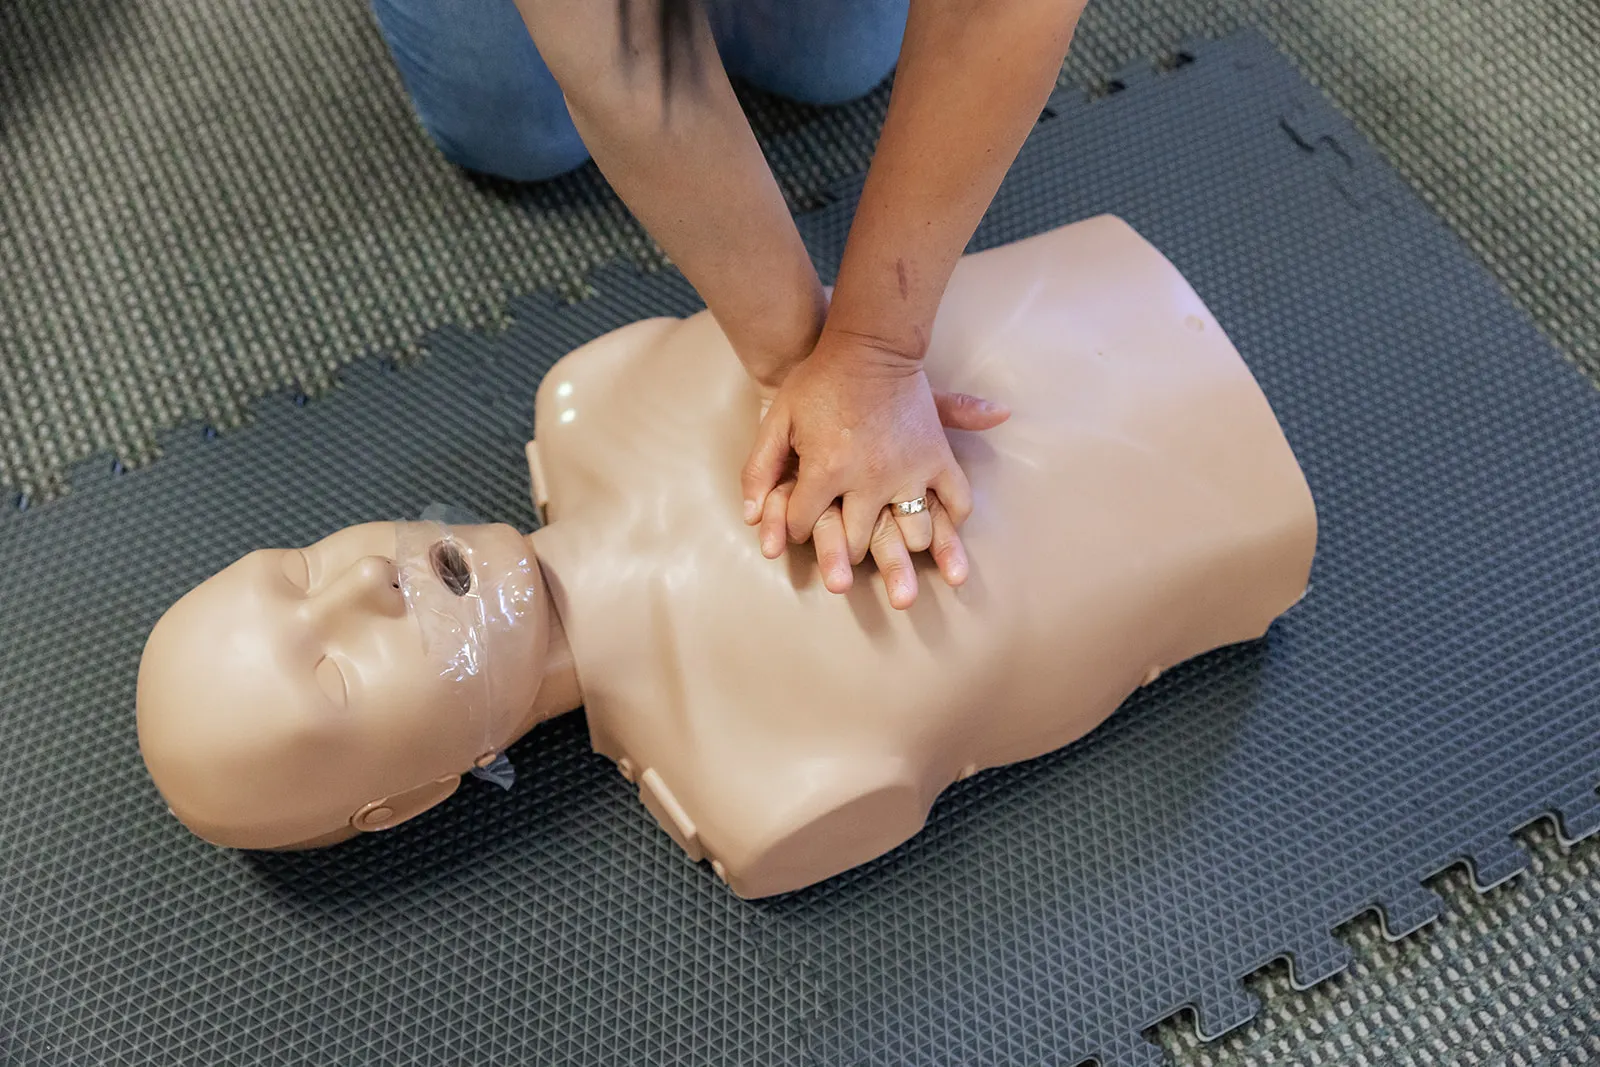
1435	691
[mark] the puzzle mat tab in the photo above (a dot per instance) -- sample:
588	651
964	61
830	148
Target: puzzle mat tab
1436	691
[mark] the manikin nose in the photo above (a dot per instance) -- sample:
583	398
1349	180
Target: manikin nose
369	585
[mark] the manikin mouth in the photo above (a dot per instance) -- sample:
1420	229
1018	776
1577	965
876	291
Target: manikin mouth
451	568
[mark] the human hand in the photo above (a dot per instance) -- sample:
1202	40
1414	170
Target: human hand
891	545
851	431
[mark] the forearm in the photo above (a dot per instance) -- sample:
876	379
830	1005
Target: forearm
972	80
689	168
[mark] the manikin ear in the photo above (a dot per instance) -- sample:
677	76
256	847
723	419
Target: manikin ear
393	810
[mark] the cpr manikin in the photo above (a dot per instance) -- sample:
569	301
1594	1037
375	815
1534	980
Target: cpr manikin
1141	506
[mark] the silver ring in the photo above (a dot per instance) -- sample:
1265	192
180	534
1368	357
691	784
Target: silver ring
912	507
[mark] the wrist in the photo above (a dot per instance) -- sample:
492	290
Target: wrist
887	314
773	344
870	353
898	345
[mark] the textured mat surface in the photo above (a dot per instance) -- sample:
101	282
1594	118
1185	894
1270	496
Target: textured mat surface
207	200
1507	978
1435	692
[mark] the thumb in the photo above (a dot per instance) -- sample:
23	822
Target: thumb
768	462
959	411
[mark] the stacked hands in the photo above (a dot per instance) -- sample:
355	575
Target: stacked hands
852	454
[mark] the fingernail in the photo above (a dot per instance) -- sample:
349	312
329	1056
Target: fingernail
750	511
769	547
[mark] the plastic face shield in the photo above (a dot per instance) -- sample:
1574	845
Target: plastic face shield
456	601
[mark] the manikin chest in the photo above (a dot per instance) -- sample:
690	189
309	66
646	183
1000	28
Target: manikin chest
1140	507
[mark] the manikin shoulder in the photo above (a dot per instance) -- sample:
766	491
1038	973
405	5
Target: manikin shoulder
659	402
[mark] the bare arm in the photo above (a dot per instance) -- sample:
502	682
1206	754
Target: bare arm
688	166
858	418
856	412
972	79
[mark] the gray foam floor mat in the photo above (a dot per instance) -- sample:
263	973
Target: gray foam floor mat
1509	978
1436	691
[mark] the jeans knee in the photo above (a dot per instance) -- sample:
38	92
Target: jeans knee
480	88
817	51
526	153
845	79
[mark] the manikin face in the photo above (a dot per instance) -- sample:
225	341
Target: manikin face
288	693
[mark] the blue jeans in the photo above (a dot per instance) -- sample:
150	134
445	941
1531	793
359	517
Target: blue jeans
492	106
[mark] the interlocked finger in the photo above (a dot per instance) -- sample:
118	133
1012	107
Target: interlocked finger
948	551
889	552
774	520
833	551
915	521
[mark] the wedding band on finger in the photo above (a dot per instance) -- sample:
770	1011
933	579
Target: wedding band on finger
915	521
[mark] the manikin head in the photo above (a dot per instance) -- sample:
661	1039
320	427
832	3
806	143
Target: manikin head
303	695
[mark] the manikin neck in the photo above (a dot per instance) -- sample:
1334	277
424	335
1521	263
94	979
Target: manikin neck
559	692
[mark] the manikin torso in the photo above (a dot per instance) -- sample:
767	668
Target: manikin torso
1140	507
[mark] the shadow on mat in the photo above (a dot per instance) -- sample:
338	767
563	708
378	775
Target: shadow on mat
567	797
562	789
1206	702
